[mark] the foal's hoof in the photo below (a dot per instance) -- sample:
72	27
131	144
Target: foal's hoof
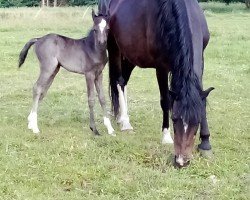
33	127
205	153
95	131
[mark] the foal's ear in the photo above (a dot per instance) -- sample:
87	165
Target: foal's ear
93	14
107	18
205	93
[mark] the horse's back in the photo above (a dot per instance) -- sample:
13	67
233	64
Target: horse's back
200	33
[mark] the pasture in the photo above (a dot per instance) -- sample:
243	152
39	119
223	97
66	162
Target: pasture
67	162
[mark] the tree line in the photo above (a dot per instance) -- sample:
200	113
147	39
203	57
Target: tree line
33	3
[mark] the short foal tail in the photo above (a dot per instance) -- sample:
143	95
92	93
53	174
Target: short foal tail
24	52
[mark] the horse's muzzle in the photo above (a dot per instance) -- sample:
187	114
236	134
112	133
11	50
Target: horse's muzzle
181	161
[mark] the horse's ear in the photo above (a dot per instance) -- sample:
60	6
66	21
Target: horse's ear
205	93
93	14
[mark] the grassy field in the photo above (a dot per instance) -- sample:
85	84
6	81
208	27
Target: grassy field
66	162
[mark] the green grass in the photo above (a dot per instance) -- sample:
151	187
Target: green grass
67	162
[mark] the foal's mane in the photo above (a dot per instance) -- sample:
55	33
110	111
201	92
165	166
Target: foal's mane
176	39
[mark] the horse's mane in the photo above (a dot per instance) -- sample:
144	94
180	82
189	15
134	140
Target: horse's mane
176	39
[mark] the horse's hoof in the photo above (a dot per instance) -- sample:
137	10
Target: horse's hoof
126	126
205	153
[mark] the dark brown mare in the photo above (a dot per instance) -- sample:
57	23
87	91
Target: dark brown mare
170	36
84	56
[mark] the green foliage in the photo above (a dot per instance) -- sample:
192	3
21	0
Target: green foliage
19	3
82	2
33	3
223	1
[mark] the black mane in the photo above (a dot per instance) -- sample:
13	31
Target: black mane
174	31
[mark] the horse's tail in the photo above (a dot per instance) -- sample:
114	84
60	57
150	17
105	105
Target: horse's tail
176	39
24	52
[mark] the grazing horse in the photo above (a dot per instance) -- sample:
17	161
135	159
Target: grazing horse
170	36
83	56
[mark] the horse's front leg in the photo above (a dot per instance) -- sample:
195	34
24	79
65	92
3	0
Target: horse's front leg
100	92
162	78
90	78
204	147
123	118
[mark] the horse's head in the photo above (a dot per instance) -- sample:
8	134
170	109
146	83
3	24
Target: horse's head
185	126
101	27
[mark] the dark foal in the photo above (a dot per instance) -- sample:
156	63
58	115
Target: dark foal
83	56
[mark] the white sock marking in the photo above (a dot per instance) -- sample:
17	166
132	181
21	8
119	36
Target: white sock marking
107	123
33	122
167	139
125	96
124	118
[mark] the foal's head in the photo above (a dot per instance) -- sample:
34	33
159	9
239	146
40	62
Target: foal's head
100	28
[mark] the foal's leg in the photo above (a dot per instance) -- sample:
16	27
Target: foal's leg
90	78
99	89
162	77
40	88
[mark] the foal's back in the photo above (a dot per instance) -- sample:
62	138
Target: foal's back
57	50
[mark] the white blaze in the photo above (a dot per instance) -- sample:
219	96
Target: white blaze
102	25
185	126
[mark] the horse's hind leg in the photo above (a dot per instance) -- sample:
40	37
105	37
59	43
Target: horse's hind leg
90	78
99	89
40	88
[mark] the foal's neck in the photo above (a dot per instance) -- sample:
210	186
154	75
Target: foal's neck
94	46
